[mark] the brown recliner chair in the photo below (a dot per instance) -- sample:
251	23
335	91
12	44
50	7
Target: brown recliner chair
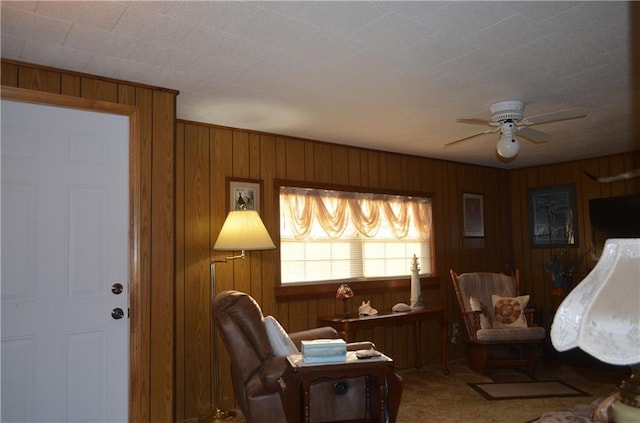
265	388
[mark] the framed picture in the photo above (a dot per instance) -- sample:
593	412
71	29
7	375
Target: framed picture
244	193
473	207
552	216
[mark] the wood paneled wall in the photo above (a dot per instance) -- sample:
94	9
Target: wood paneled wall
155	392
530	260
206	155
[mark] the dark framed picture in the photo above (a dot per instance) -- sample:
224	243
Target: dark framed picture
473	208
552	216
244	193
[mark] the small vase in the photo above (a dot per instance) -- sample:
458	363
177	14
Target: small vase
557	296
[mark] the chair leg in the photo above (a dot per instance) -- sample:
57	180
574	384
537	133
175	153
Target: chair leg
477	357
529	357
533	364
483	357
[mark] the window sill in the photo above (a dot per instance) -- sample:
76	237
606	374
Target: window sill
305	291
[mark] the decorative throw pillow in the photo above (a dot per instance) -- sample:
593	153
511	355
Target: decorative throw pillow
279	339
509	312
478	305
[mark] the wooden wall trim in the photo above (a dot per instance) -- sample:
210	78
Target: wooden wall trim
296	292
40	97
56	71
162	296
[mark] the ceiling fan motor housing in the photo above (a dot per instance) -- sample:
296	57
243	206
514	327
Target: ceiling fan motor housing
507	110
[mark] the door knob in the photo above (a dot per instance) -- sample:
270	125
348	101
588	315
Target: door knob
117	288
117	313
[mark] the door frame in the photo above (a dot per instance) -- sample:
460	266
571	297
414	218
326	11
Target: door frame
139	341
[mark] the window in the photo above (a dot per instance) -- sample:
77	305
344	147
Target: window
329	235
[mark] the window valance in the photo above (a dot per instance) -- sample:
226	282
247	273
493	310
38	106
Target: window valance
327	213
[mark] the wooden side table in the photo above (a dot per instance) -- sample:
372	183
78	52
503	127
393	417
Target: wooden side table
379	369
347	327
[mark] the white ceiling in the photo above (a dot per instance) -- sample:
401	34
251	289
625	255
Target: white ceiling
391	75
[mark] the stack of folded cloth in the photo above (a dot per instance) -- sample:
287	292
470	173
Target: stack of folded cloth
324	351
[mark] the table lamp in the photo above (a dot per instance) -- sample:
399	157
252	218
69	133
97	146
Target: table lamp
602	316
242	230
344	293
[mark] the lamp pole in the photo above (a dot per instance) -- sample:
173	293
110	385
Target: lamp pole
218	414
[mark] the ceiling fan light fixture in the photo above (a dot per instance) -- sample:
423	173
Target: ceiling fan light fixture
508	117
508	146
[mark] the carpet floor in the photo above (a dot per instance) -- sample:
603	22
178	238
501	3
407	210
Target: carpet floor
431	396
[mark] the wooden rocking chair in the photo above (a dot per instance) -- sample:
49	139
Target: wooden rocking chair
501	330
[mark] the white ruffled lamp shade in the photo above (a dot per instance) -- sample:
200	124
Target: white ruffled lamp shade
602	317
602	314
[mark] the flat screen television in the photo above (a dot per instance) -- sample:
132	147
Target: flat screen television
613	217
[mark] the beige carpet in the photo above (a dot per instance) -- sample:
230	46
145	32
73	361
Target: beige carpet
431	396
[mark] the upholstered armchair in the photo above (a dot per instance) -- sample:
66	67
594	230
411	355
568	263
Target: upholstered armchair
500	327
265	388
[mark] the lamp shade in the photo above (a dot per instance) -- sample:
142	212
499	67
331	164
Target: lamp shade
243	230
508	146
344	292
602	314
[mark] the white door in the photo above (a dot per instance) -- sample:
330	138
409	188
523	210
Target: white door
65	223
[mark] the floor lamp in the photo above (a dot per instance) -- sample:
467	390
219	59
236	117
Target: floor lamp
242	230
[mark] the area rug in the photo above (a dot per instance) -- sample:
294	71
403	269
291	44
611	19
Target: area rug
527	390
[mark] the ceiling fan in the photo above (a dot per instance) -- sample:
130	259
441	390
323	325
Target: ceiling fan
508	117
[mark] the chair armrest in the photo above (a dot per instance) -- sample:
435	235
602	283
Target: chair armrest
472	322
325	332
271	373
529	314
361	345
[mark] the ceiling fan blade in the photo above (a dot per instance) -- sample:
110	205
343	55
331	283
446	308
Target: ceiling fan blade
574	113
533	134
474	121
488	131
